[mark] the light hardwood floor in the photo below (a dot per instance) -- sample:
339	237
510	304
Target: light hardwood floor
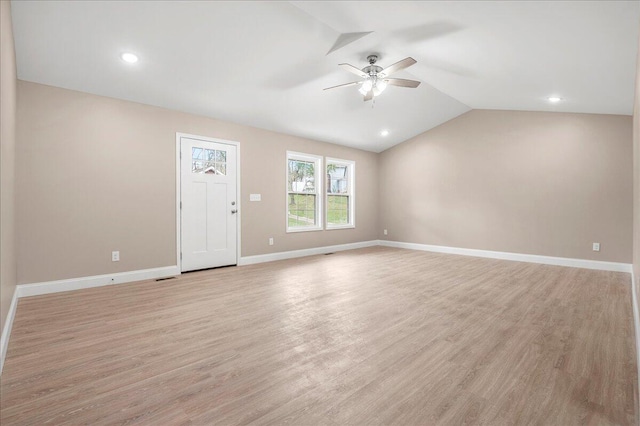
371	336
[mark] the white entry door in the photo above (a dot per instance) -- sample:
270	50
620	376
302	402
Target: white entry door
209	209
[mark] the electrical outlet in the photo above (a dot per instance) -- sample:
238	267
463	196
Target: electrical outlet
596	246
115	256
271	241
255	197
385	232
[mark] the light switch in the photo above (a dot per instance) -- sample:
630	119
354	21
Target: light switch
255	197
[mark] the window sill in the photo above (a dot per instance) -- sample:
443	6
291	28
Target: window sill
294	230
333	228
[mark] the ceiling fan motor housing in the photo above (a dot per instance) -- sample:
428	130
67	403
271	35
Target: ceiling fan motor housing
372	69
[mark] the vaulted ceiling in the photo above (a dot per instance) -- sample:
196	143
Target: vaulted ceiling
265	64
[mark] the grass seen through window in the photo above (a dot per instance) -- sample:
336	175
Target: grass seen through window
302	210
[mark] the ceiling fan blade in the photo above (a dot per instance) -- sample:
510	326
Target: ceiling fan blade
356	71
368	96
400	65
354	83
402	82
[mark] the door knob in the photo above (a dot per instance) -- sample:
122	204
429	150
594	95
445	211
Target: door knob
234	211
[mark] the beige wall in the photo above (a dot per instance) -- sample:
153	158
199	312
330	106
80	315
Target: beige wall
523	182
97	174
7	161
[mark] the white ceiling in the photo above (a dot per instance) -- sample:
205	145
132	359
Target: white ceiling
265	64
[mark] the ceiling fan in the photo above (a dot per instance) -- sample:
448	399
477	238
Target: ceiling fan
376	78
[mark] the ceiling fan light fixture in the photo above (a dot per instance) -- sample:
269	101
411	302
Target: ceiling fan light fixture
366	86
379	87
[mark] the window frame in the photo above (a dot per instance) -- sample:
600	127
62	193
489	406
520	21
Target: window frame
317	159
351	185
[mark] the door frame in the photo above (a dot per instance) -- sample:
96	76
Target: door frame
179	136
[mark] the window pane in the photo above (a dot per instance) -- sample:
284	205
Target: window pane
337	179
302	210
337	210
197	167
337	171
196	153
209	167
301	176
338	186
221	156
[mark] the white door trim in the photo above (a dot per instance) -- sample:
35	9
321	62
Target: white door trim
179	136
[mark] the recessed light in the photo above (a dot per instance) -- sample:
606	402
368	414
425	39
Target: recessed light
129	57
384	133
554	99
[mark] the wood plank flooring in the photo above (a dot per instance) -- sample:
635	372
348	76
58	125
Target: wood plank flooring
370	336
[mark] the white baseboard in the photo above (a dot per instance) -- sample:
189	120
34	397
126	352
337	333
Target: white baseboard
6	330
36	289
636	323
261	258
518	257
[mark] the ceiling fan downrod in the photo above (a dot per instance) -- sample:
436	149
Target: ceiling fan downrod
372	69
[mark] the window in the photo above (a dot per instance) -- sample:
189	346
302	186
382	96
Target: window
340	194
210	161
304	190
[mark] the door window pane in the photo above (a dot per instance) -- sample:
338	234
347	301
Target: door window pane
209	161
196	153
